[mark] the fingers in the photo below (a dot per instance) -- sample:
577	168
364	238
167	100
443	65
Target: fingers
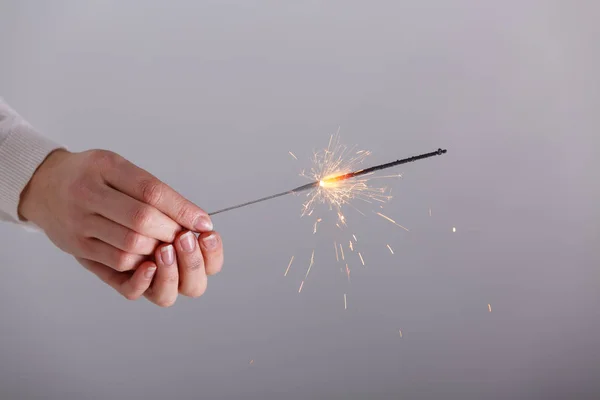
141	185
192	276
96	226
135	215
212	250
131	286
163	291
103	253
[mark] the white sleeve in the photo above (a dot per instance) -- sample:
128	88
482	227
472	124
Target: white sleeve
22	150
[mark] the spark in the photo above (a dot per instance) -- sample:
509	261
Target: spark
251	362
345	302
312	261
337	258
316	223
331	184
338	180
400	333
337	184
430	212
288	267
387	176
453	229
392	221
490	307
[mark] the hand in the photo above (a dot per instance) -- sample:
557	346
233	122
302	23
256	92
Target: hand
101	208
182	268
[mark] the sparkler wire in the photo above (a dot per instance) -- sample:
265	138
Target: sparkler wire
343	177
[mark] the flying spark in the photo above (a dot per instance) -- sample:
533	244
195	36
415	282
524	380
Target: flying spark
288	267
316	223
490	308
348	272
293	155
361	258
345	302
391	251
312	261
392	221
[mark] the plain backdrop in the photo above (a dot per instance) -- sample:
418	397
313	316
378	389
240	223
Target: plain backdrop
211	96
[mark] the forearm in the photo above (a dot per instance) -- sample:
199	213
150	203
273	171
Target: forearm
22	150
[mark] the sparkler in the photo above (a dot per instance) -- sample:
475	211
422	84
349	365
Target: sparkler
330	177
336	179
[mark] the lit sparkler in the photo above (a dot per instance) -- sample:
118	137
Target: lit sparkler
334	182
337	181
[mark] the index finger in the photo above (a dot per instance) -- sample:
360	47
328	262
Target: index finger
143	186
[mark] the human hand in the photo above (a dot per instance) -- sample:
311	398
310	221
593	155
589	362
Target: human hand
182	268
101	208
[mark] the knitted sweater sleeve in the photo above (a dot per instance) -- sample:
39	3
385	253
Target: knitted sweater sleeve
22	150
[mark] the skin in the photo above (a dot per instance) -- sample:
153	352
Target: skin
124	225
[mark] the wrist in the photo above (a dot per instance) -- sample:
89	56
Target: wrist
30	203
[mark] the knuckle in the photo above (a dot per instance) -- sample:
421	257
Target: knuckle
184	214
172	278
80	189
195	264
123	262
84	246
151	191
104	159
83	191
140	217
132	241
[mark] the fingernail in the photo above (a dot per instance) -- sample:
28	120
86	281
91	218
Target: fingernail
188	242
210	242
168	255
203	224
150	272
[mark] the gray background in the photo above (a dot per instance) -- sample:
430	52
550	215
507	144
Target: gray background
210	96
